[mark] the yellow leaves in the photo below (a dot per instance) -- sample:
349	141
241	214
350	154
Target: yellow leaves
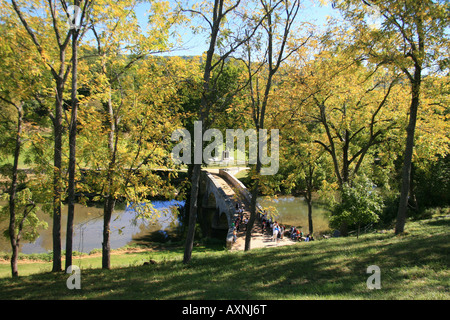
433	126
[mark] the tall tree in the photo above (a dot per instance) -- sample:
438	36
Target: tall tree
57	36
120	46
354	118
412	35
145	107
225	40
357	107
17	86
278	23
360	204
78	28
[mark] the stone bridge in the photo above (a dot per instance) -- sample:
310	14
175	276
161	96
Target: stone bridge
220	191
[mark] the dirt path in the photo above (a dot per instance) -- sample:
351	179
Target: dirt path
260	240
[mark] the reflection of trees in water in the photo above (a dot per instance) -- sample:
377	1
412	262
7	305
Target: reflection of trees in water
88	226
161	229
294	211
80	231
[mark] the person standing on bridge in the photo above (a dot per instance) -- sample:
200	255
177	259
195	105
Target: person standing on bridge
275	232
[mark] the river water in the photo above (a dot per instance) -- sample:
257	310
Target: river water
88	228
125	229
293	211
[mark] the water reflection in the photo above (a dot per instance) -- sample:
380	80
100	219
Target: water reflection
88	227
126	229
293	211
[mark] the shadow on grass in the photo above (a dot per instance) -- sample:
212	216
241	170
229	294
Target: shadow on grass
333	269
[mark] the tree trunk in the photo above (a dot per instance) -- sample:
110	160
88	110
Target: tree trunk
251	221
406	171
14	255
345	160
412	195
195	183
310	221
308	197
260	125
109	200
57	190
12	197
72	151
203	115
106	248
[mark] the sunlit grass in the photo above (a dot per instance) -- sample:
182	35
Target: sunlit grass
413	266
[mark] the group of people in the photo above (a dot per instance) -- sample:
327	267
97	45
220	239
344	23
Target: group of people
297	235
269	225
240	219
278	230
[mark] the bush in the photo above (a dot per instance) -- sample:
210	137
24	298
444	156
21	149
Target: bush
94	251
360	204
390	210
429	213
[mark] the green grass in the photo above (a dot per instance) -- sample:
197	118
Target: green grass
414	265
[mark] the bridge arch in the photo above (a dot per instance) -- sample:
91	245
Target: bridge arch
217	206
219	194
217	217
211	200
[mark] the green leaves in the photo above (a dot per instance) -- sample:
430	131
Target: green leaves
27	222
360	204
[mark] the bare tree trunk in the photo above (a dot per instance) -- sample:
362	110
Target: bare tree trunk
412	194
309	189
14	255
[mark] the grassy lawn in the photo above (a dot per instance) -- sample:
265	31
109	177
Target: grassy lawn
413	266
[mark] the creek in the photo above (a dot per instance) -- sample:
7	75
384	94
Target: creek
293	211
126	229
88	228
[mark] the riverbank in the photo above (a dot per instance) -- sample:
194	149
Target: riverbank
414	265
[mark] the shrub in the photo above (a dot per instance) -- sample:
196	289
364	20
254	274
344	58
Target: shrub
360	204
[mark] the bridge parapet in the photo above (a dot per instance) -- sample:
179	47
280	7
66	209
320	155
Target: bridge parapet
235	182
224	202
